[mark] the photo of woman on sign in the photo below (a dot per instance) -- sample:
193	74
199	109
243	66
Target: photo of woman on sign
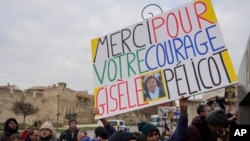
153	88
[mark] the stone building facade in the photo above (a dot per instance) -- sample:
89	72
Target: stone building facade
8	95
57	104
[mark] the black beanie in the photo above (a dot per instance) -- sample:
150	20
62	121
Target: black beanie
71	120
146	127
217	118
122	136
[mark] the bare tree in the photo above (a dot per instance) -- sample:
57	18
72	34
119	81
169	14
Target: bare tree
24	108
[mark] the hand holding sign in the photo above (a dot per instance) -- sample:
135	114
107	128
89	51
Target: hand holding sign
183	102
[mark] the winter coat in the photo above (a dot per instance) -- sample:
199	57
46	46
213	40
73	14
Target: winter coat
50	139
86	138
110	129
180	132
7	132
69	135
199	130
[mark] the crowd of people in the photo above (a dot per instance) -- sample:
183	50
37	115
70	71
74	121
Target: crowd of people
212	123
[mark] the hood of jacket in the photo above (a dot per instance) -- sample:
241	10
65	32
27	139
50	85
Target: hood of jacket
7	130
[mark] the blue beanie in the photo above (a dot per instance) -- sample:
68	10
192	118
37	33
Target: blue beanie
147	127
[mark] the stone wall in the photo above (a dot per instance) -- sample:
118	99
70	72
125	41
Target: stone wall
62	100
49	101
7	99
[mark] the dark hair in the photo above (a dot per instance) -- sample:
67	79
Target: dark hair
73	119
139	135
15	136
150	77
101	132
201	108
31	131
219	100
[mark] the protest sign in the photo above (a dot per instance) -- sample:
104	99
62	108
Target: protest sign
178	52
230	95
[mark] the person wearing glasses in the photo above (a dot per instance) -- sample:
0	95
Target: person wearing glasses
33	134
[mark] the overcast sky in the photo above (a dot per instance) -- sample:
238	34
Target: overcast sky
43	42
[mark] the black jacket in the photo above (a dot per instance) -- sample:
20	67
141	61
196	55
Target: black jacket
7	132
69	135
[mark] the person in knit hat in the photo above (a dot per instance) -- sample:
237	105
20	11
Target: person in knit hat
205	128
152	133
10	127
123	136
47	132
71	133
217	118
147	127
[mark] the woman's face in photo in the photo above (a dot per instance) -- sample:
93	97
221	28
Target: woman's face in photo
151	84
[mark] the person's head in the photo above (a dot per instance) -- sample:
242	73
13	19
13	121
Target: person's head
216	120
11	123
72	123
27	127
203	109
100	132
216	102
46	130
15	137
140	136
81	134
33	134
149	130
151	83
10	126
123	136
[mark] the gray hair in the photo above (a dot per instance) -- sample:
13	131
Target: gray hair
83	131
